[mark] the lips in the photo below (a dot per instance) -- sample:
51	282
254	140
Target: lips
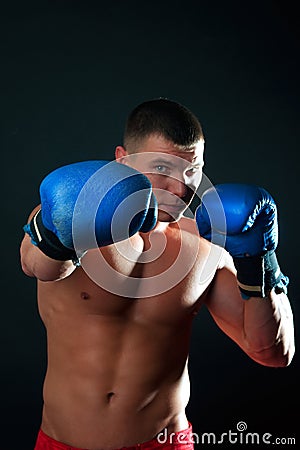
171	207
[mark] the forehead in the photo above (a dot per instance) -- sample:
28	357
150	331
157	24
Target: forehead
158	144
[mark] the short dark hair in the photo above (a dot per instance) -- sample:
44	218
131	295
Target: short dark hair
163	117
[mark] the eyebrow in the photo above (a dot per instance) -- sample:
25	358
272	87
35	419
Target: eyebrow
163	161
166	161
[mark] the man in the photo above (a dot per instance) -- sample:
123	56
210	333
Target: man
118	306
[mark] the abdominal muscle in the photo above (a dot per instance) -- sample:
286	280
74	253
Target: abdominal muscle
117	367
113	379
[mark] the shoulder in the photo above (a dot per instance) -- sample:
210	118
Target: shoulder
189	226
215	256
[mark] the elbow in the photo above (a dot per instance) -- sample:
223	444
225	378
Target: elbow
37	265
25	260
274	357
25	268
31	272
49	274
280	362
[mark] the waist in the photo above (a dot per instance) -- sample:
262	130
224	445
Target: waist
85	412
183	439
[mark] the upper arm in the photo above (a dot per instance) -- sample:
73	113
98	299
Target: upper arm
224	301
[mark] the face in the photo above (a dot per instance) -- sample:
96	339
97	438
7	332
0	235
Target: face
175	174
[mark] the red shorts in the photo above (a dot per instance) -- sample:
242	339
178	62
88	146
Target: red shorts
181	440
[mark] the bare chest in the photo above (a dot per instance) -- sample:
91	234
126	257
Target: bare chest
161	281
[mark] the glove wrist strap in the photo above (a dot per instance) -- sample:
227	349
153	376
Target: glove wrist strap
258	275
47	241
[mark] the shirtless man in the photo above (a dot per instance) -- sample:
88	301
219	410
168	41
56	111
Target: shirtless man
118	307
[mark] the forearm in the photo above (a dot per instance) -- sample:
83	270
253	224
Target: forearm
251	304
36	264
269	329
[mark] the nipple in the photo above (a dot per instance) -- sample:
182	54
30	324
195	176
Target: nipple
84	295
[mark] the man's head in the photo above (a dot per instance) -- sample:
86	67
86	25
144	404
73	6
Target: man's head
162	117
164	140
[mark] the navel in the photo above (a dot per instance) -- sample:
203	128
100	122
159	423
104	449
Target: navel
84	295
110	396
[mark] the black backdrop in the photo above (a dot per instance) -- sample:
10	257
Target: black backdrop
70	73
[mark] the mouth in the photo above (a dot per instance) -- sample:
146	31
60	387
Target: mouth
171	208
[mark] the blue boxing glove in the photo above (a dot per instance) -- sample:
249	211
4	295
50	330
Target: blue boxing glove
91	204
243	218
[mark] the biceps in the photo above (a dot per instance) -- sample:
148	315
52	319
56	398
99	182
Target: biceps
225	304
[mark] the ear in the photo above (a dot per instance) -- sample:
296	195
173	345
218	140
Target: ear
120	154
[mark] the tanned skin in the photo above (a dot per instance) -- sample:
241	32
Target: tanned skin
117	366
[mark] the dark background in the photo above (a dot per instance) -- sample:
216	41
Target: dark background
70	73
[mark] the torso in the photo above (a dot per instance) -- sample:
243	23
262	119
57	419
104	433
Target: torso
117	365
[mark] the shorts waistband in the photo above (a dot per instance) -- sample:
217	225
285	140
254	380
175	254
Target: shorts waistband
182	438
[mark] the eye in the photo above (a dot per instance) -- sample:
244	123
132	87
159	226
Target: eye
191	171
161	169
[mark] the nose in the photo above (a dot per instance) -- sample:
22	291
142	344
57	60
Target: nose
177	187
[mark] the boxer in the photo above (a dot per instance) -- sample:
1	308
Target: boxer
122	271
